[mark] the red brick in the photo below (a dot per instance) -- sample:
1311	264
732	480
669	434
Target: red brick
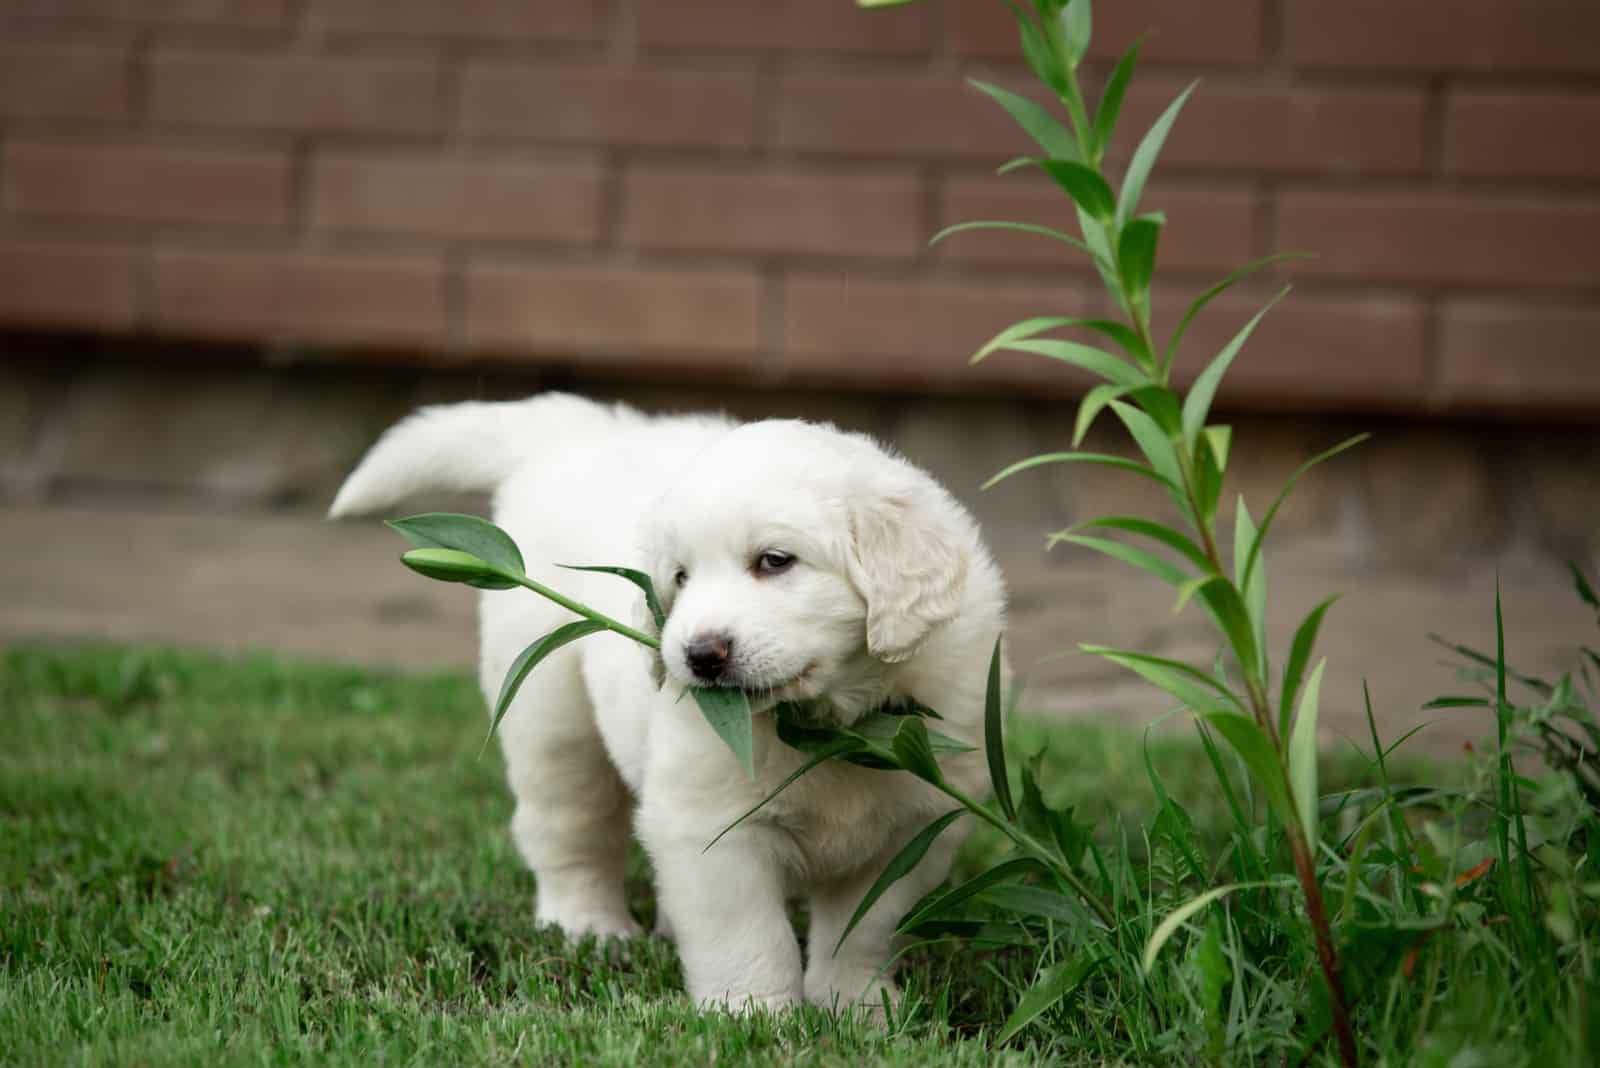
1286	130
1443	238
1208	230
1313	350
1534	36
356	300
1503	354
488	20
295	94
147	184
831	25
68	285
678	207
604	105
854	115
40	81
918	333
1522	134
617	313
231	14
1181	31
455	198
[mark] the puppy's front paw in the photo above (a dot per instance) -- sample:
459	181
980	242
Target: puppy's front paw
580	923
853	989
747	1004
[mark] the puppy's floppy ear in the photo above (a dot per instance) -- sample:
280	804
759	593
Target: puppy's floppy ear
907	558
643	621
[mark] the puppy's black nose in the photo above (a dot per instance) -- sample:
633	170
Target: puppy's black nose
708	655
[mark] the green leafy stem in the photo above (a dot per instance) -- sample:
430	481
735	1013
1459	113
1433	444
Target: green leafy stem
1180	448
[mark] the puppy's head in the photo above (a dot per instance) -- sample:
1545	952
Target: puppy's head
795	561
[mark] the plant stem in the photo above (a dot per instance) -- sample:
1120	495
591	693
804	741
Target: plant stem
1101	910
582	609
1327	956
1304	862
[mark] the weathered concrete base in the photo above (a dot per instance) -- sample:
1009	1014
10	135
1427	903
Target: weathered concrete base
182	503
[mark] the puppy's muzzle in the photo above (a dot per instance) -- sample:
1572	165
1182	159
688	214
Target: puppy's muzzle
708	655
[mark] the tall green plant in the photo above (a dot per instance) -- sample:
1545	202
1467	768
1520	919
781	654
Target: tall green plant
1272	730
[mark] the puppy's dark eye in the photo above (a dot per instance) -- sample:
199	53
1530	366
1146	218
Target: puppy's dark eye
680	577
773	562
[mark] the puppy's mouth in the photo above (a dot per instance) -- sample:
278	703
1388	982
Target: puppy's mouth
764	694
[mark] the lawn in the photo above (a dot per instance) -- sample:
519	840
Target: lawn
213	861
223	861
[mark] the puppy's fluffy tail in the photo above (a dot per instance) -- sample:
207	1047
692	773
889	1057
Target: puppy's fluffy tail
466	447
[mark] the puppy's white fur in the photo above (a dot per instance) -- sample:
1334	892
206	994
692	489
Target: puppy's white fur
891	595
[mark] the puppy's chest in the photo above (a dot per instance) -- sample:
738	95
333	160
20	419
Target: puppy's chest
839	817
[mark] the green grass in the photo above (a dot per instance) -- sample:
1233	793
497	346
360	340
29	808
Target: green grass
213	861
222	861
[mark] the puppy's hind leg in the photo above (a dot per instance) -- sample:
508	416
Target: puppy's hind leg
573	812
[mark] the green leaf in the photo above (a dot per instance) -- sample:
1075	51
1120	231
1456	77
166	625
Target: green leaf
1206	297
530	658
1303	755
1128	554
1457	702
1037	902
1055	985
1209	467
452	565
1100	459
1180	915
638	578
1136	257
1193	687
1228	609
1094	233
913	750
1253	746
1211	964
1084	185
1020	227
1197	405
1172	821
1040	56
878	730
728	711
1077	23
838	747
1161	404
1087	357
1040	125
1144	157
464	533
1585	591
1152	441
898	868
1219	438
1283	495
1028	328
1094	402
942	902
1105	116
1252	584
1172	539
994	736
1305	639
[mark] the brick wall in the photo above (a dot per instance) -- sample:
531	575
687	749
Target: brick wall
743	188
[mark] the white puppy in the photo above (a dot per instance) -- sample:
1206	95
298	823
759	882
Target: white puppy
795	561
